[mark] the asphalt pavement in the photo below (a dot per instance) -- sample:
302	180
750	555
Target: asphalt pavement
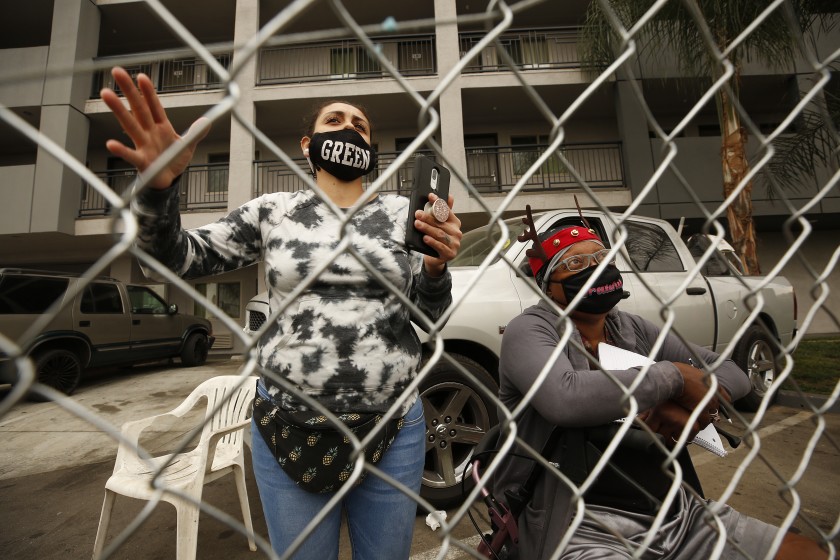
53	468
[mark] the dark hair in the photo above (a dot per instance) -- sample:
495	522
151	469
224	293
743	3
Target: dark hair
312	118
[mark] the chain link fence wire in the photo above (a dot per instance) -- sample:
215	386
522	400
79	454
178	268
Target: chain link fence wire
496	20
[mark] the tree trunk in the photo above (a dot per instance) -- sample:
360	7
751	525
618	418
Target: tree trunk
739	214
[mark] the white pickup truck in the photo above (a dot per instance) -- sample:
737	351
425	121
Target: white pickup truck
708	311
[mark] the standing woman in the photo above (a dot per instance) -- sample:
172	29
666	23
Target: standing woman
347	342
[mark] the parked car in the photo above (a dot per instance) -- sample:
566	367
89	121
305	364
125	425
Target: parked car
106	323
708	310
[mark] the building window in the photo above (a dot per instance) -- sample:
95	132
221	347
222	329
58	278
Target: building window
217	172
533	52
177	75
526	150
526	51
347	62
416	57
225	295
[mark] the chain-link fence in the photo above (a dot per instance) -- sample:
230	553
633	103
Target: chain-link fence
761	331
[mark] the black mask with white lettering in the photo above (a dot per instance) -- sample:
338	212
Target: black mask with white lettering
605	294
344	154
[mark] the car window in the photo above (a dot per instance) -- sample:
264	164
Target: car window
29	294
477	244
651	249
101	298
698	244
145	301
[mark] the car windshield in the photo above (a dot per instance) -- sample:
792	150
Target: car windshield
477	244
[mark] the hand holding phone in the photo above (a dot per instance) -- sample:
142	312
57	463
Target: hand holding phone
429	177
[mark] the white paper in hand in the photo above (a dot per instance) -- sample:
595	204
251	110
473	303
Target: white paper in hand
612	357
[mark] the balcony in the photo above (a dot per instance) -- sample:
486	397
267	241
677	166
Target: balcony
203	188
496	169
274	176
412	55
169	75
344	60
532	49
491	170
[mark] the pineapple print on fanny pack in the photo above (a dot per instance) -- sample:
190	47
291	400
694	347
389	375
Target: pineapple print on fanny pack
312	452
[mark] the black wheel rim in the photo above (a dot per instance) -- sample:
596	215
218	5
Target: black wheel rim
60	372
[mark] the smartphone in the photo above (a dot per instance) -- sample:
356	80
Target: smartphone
429	177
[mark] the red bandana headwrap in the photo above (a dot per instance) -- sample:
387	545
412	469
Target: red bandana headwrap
541	252
561	240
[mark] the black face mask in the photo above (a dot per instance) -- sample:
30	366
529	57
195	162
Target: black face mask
344	154
605	294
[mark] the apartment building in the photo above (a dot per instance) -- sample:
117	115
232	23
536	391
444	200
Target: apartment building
54	56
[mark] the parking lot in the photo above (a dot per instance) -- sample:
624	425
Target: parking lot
53	467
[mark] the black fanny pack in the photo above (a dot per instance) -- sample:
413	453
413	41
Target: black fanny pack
312	452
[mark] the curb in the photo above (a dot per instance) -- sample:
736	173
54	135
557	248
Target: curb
806	401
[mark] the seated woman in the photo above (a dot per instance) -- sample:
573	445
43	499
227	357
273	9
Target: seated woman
577	397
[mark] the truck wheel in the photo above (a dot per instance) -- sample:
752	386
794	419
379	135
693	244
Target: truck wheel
60	369
755	355
195	350
457	417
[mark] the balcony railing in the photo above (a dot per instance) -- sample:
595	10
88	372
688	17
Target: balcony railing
343	60
491	169
531	49
274	176
495	169
413	55
169	75
203	187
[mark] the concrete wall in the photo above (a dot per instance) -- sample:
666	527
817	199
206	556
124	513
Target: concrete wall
16	190
18	92
55	202
57	189
816	253
698	162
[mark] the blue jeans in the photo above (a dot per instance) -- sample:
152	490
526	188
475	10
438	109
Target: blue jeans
380	518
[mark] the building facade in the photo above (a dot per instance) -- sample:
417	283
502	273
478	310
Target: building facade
55	54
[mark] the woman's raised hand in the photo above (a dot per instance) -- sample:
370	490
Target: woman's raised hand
146	124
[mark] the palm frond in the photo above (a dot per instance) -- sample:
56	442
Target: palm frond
815	144
673	28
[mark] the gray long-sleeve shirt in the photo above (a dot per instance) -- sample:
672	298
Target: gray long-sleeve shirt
575	395
347	341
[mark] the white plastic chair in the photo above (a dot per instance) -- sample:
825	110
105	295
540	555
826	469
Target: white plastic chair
219	452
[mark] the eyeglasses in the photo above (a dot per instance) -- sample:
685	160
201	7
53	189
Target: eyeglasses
576	263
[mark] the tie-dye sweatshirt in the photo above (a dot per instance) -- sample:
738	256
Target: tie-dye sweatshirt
346	341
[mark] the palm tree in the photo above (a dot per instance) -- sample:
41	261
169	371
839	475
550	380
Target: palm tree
688	28
813	145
